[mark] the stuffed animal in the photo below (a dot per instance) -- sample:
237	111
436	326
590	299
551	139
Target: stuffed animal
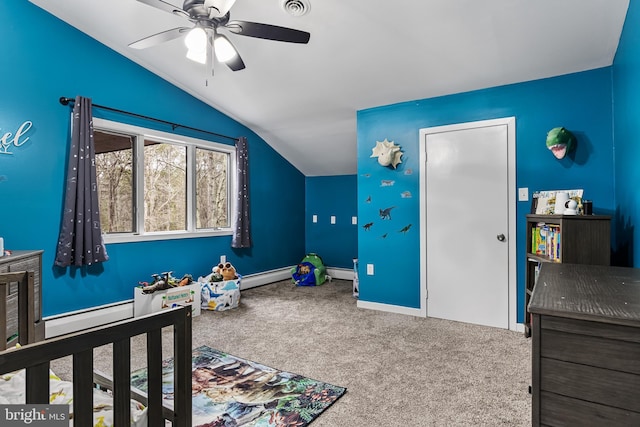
226	270
560	141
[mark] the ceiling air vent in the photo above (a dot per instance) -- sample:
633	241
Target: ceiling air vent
295	7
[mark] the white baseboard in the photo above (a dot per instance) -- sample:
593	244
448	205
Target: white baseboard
267	277
340	273
391	308
89	318
264	278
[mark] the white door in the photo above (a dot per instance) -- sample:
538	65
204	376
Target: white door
467	223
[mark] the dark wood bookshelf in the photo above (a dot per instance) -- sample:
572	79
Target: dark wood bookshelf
584	239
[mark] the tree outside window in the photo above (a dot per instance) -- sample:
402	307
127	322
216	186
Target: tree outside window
153	184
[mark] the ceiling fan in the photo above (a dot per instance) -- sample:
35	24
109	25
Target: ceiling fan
203	39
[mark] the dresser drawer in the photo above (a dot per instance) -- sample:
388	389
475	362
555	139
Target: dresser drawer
562	411
593	351
588	383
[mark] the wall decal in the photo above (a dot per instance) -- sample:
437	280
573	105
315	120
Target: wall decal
405	229
384	236
406	195
368	200
386	213
9	139
367	226
387	183
408	172
387	152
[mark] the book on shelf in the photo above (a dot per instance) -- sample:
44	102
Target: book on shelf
545	241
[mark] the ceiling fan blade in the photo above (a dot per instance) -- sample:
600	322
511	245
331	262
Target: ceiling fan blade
226	52
158	38
163	5
236	63
267	31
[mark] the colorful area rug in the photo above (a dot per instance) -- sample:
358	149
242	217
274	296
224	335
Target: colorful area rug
232	392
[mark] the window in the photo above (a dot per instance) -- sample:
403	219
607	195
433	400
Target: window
155	185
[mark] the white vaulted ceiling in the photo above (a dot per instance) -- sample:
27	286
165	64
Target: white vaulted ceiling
302	99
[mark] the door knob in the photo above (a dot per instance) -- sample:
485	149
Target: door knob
501	237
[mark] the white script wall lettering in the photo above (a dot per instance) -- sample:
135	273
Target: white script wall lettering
9	139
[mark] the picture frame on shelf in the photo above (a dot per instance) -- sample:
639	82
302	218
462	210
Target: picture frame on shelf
543	202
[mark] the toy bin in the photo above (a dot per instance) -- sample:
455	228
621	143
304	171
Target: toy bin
220	296
161	300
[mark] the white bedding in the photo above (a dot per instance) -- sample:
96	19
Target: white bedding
12	391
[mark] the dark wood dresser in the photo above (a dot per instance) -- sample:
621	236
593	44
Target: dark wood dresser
586	346
30	261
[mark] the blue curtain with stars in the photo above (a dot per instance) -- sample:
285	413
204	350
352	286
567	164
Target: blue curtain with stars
242	224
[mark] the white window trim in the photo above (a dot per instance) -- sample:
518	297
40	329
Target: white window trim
191	232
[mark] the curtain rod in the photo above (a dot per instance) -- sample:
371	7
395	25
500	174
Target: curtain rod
67	101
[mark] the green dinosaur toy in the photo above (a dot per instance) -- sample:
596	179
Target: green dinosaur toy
560	141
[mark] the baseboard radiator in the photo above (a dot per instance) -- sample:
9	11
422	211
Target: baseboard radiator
102	315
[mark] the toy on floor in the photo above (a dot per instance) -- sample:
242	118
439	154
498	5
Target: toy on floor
220	290
310	272
226	270
165	281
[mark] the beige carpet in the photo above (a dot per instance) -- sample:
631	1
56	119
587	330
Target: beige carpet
398	370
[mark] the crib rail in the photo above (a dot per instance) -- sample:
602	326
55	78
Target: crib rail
36	357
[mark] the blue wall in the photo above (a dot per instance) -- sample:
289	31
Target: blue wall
626	96
337	243
580	102
44	59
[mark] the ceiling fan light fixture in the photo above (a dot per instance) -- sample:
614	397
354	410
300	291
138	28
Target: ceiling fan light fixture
223	48
199	56
196	40
218	8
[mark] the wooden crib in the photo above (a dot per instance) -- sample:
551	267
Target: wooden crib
35	358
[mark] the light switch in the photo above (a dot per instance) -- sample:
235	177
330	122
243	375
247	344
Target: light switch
354	220
370	269
523	194
333	219
315	218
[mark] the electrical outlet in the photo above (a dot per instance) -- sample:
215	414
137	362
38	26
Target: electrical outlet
523	194
370	269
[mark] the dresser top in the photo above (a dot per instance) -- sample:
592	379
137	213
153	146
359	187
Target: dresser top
17	255
588	292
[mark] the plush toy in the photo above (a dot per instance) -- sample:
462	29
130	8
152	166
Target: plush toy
310	271
560	141
226	271
304	274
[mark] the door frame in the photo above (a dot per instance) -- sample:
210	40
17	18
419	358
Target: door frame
510	122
